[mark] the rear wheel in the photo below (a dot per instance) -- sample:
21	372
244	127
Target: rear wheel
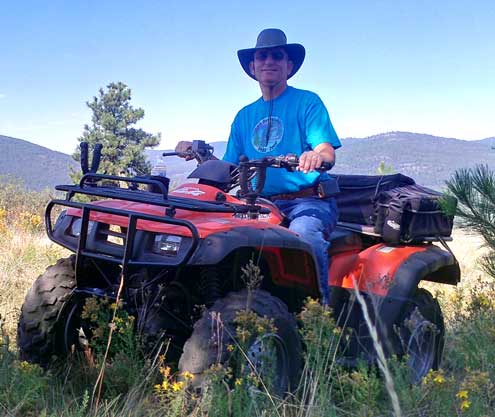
41	330
422	333
275	355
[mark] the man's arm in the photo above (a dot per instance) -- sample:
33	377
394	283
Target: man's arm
311	160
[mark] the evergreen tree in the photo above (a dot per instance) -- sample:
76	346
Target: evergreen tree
112	126
384	169
474	189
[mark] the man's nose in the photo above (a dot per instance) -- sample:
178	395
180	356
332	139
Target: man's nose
269	59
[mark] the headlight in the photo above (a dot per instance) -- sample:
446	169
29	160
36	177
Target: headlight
75	227
167	244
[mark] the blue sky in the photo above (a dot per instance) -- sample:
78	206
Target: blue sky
379	65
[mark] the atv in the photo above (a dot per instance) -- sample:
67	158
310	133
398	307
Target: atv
175	258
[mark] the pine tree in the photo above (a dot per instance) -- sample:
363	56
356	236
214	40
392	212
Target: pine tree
112	126
474	189
384	169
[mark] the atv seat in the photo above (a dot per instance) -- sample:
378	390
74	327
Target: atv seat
358	228
344	239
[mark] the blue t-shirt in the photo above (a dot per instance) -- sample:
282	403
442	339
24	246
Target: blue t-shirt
299	122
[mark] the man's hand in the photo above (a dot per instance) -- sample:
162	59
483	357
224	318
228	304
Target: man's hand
184	148
312	160
309	161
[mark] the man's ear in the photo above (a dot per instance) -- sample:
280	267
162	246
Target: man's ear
251	68
290	67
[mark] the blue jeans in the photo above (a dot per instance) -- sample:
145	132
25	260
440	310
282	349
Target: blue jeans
313	219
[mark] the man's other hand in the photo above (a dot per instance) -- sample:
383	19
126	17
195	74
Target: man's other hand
184	149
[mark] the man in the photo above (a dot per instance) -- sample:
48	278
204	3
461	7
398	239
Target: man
286	120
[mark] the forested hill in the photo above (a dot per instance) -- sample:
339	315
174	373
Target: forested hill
38	167
430	160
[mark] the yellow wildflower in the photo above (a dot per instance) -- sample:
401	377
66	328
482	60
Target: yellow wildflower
187	375
439	379
463	394
177	386
238	381
230	348
165	371
164	386
465	405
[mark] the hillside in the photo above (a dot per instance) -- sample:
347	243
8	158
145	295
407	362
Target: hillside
430	160
38	167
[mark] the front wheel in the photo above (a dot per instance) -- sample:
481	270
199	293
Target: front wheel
39	332
422	333
276	355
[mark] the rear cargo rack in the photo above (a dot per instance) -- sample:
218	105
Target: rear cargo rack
370	231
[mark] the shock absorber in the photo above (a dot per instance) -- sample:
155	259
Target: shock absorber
210	285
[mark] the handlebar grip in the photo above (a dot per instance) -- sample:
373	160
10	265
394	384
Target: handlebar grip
84	157
325	166
95	162
170	153
243	175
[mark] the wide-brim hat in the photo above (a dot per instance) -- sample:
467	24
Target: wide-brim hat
273	38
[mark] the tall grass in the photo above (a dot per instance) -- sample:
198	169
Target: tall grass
137	385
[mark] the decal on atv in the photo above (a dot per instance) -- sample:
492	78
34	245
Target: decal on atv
190	191
394	225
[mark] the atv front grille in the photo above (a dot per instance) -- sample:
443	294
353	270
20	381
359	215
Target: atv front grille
118	244
113	234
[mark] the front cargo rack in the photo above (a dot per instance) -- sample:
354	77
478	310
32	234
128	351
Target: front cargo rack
88	186
125	254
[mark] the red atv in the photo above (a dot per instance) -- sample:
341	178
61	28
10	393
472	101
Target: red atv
181	250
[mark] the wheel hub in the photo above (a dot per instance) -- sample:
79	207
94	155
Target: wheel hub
420	344
267	357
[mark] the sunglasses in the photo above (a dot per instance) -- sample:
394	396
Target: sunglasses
276	55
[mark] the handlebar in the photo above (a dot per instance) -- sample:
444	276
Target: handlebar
290	162
251	188
199	150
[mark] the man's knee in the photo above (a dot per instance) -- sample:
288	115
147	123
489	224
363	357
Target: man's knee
307	226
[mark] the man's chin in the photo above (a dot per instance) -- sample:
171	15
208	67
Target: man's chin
269	82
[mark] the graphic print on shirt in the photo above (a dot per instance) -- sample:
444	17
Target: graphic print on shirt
265	143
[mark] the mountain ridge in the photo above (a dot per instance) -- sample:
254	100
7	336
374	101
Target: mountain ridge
429	159
36	166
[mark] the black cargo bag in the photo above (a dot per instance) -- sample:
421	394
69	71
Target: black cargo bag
356	199
411	213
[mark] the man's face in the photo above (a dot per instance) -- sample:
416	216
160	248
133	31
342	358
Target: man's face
271	66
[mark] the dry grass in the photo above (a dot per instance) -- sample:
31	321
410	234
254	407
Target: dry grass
24	255
467	248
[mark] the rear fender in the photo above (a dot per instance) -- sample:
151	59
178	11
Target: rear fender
389	276
393	271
